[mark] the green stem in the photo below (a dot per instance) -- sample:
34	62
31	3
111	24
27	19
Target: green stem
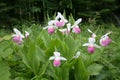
58	73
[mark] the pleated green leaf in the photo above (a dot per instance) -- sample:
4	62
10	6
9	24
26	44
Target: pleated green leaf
94	69
4	71
65	72
80	71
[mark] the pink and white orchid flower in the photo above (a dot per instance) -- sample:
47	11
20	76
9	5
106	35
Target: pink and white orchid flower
105	40
18	37
75	27
60	20
66	30
51	27
57	58
91	45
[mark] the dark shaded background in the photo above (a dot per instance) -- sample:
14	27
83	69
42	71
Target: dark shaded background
13	12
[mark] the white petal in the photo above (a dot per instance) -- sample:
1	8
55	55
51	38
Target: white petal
14	35
21	39
108	33
63	19
59	15
95	45
68	26
78	21
57	54
104	37
93	35
72	26
52	58
51	22
91	40
62	30
18	32
86	44
55	27
27	33
89	31
22	36
45	27
62	58
101	40
77	55
49	26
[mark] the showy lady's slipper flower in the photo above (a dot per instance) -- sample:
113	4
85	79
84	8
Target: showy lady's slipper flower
57	59
91	45
18	37
51	27
66	30
105	40
75	27
60	20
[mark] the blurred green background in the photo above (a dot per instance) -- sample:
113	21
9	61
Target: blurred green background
14	12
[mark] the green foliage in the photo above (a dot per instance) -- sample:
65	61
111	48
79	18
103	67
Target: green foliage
4	71
96	70
30	60
5	50
80	71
